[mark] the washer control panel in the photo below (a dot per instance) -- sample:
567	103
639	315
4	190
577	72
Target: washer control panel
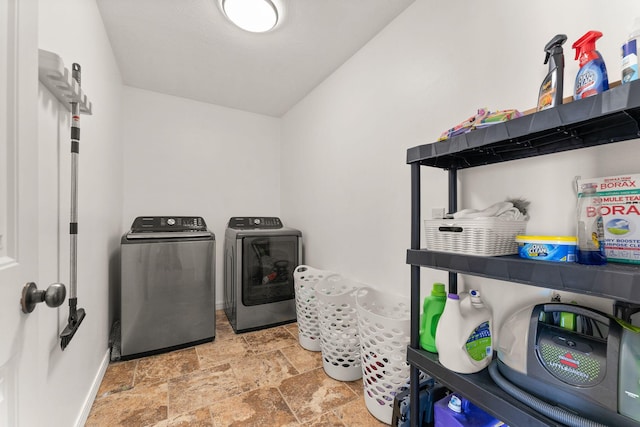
253	222
150	224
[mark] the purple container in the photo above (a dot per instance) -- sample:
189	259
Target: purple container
470	415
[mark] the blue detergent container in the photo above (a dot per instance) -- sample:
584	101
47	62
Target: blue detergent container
455	411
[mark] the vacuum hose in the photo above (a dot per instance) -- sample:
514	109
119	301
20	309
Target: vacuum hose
544	408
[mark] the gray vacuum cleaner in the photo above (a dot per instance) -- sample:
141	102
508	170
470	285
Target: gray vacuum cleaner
576	365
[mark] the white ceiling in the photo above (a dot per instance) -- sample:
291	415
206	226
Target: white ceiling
187	48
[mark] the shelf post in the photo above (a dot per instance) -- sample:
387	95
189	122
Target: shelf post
453	207
414	375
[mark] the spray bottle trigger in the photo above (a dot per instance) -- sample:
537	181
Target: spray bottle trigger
546	58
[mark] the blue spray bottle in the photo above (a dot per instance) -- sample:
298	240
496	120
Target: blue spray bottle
592	78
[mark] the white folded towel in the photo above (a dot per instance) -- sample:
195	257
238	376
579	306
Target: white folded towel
504	210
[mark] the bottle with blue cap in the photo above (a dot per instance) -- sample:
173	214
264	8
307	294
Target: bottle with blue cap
456	411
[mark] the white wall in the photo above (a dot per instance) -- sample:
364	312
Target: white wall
348	186
73	29
184	157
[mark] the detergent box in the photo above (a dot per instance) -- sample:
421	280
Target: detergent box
620	209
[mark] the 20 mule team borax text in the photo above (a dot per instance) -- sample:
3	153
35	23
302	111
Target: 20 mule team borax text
620	209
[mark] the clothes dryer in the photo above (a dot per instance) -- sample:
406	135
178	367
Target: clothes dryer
260	255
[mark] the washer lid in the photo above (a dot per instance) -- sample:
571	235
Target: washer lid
170	235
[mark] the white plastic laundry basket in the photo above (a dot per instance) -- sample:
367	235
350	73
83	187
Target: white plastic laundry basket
384	327
338	319
305	279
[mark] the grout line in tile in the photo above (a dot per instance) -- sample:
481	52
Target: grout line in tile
135	373
168	402
289	406
291	333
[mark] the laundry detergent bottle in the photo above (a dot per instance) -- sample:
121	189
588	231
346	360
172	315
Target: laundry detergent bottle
431	311
464	333
592	77
630	54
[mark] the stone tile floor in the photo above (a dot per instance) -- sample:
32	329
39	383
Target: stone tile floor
262	378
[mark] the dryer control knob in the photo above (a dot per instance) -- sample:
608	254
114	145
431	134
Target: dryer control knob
256	221
171	221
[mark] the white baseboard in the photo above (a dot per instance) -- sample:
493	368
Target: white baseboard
93	392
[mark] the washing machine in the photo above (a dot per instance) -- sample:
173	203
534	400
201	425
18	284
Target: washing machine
167	289
260	255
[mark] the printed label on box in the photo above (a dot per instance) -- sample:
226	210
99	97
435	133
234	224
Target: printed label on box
620	209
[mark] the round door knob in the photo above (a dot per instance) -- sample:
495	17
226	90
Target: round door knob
54	296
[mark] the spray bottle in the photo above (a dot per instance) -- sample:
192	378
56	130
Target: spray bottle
630	54
592	77
551	89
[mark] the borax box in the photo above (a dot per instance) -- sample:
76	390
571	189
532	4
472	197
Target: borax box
620	199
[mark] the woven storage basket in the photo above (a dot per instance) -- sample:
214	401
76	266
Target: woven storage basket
480	236
305	279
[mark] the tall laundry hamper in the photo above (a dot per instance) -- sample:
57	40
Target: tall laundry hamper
305	279
338	317
384	327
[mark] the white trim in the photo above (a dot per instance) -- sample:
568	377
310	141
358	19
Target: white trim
93	392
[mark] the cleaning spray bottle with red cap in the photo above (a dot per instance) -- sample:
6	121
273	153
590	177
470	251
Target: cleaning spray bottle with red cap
592	77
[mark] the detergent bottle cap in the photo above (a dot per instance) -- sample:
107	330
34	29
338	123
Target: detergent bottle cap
585	46
475	297
554	46
455	404
438	290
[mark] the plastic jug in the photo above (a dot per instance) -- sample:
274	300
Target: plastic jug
431	311
464	332
454	411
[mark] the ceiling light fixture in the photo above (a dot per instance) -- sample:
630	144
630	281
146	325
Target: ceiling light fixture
256	16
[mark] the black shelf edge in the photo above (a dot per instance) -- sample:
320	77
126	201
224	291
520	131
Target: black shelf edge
620	282
480	389
609	117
